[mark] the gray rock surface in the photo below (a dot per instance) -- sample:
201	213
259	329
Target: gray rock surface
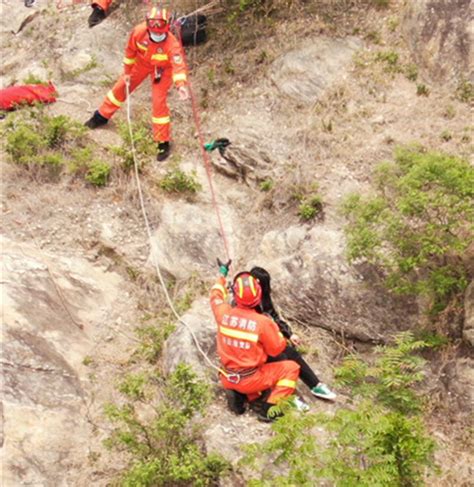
440	34
188	238
181	347
50	314
468	328
313	283
304	74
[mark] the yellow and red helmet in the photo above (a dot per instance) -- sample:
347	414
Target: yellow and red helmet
247	290
158	20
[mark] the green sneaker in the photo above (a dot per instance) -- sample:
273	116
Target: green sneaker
323	392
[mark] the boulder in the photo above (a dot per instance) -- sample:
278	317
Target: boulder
188	239
314	284
306	73
181	346
439	34
245	162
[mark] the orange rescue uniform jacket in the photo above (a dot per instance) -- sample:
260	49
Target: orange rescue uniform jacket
245	338
165	55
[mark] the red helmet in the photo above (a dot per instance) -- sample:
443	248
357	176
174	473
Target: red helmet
158	20
247	290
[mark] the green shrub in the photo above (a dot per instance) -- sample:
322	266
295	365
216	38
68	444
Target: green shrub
133	386
31	79
419	224
98	173
152	338
37	140
422	90
465	91
390	59
411	72
24	144
380	442
177	181
165	450
143	141
266	185
310	207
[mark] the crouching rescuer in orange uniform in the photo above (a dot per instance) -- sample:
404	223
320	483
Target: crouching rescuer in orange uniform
245	339
152	51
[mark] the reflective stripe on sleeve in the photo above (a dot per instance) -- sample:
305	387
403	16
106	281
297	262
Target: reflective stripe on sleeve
161	120
220	287
242	335
141	47
159	57
129	60
286	383
111	97
179	77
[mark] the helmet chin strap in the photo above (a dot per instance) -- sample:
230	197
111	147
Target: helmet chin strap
157	37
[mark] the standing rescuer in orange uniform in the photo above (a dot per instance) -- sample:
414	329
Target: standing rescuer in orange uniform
245	339
152	51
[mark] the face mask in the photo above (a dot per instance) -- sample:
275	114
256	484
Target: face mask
157	37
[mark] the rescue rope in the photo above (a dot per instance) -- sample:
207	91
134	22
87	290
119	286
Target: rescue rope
204	154
150	239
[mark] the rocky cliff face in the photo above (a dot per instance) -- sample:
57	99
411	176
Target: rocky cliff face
52	309
440	36
311	112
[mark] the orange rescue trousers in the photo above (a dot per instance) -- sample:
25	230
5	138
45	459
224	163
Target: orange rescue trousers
279	377
159	91
103	4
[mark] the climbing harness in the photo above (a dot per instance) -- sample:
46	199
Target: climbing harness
234	376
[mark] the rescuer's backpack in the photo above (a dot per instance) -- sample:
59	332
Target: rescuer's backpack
192	29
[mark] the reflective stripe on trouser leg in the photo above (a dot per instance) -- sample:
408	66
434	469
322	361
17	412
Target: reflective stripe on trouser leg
286	385
161	113
117	95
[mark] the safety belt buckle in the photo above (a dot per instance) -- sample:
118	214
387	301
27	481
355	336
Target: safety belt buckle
233	378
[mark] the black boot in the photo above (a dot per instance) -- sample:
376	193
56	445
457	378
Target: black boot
264	415
96	120
236	401
163	151
97	16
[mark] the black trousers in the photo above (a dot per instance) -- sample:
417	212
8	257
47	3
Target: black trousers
306	372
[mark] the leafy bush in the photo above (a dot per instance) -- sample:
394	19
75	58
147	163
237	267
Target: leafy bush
165	450
266	185
422	90
48	144
152	339
310	207
98	173
381	442
419	224
143	141
177	181
133	386
465	91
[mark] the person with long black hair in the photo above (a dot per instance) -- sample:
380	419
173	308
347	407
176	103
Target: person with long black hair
307	375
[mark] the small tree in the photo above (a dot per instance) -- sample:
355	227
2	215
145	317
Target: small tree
418	225
164	450
380	442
